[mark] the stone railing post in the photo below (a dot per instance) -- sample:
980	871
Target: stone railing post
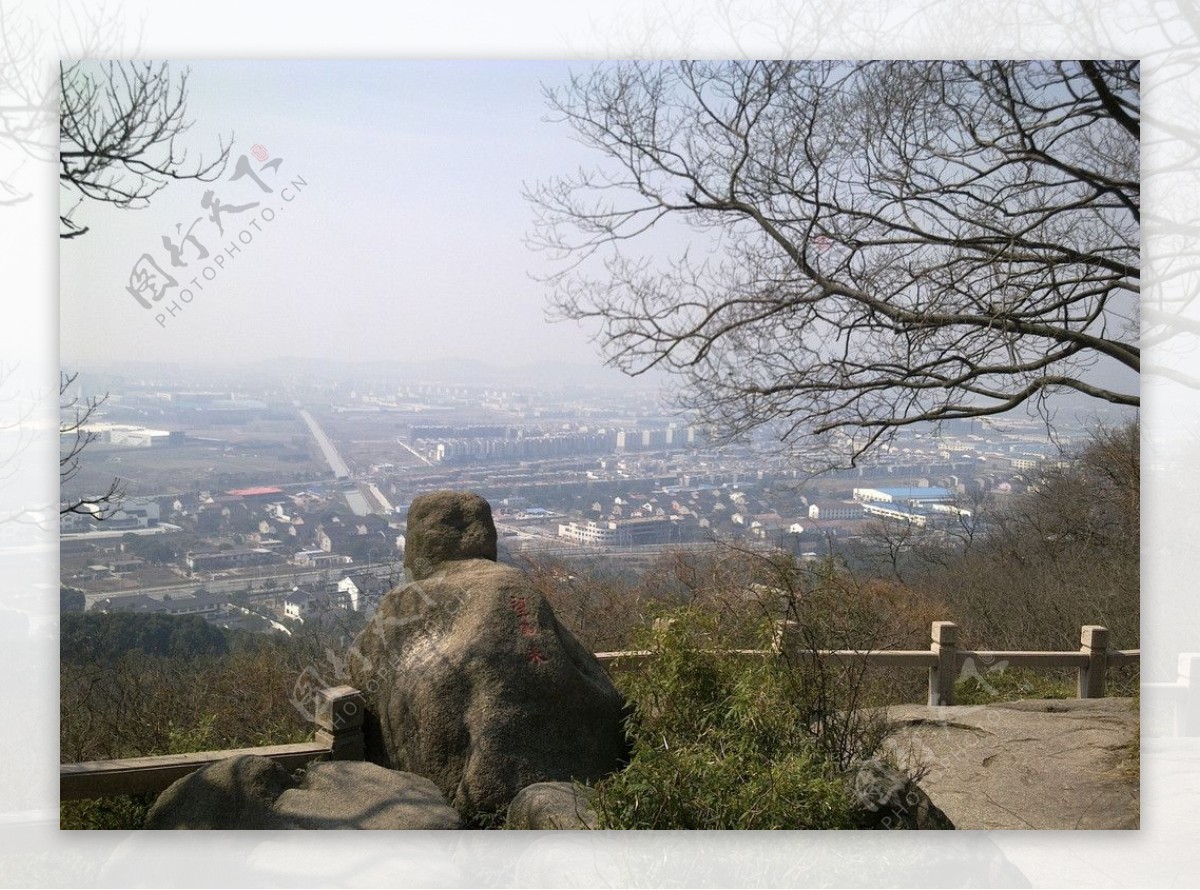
943	675
1094	644
784	637
339	719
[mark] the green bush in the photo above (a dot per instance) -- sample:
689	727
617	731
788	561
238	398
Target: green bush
728	741
123	812
1013	684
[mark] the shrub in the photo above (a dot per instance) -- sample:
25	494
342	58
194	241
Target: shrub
123	812
730	741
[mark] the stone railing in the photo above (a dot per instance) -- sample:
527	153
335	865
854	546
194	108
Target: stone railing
943	659
338	711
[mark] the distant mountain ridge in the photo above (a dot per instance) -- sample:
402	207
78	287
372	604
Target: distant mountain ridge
450	371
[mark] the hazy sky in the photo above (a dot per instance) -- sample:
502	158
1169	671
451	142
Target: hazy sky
405	243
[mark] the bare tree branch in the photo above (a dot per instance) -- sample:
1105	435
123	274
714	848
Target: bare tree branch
75	414
119	129
881	243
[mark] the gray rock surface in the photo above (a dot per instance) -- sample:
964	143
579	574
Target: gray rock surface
471	681
444	526
237	793
1032	764
251	792
553	806
340	794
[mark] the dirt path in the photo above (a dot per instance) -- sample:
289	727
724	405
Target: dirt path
1033	764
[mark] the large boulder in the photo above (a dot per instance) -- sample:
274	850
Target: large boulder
471	681
445	526
238	792
252	792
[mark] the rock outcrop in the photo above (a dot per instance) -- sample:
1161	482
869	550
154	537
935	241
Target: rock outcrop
252	792
553	806
471	681
444	526
1036	764
887	799
352	794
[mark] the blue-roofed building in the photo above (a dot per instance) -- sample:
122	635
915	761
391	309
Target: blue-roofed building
908	496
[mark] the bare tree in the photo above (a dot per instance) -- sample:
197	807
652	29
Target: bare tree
119	126
119	123
867	245
74	438
1063	554
905	548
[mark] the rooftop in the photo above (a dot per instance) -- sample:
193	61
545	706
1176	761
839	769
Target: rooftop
916	493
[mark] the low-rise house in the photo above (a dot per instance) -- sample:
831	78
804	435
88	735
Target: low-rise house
303	603
299	604
237	557
202	603
363	591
